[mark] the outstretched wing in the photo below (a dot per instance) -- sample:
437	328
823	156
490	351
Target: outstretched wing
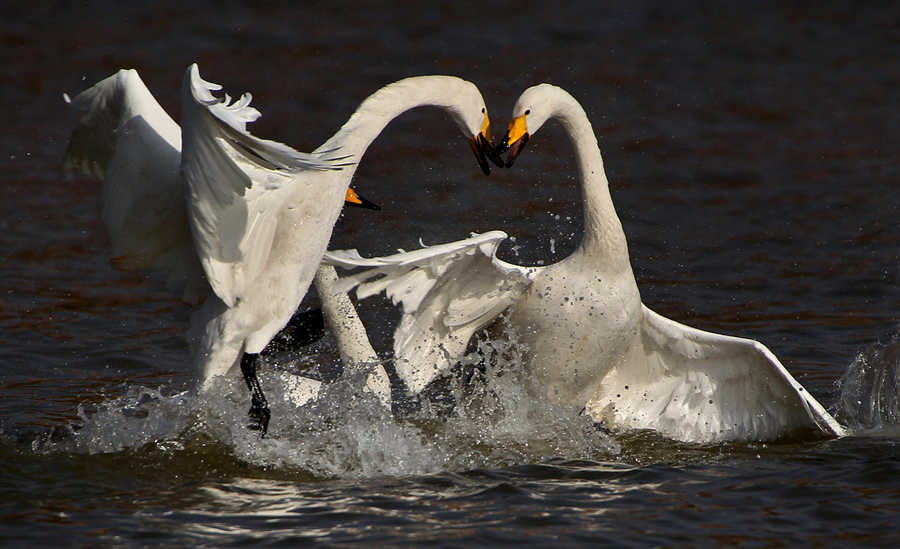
447	292
703	387
237	184
126	139
109	105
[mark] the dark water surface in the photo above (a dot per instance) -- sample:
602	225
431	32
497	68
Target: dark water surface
752	154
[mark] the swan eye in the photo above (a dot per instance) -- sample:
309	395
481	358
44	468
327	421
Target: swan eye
527	112
483	110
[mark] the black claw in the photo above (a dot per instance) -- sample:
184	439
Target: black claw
259	419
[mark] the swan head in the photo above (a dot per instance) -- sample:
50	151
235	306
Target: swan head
470	113
533	108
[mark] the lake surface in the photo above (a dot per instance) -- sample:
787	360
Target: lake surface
752	155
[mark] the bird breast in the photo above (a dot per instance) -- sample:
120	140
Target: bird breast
577	325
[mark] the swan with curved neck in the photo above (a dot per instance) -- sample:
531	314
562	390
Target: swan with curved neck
259	214
593	346
594	284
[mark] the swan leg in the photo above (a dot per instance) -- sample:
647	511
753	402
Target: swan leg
259	407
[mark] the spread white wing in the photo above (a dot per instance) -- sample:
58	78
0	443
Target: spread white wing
237	184
447	293
126	139
700	386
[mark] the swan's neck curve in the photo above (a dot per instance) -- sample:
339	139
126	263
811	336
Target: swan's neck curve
389	102
603	244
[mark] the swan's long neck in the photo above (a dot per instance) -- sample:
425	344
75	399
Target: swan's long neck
391	101
352	339
604	241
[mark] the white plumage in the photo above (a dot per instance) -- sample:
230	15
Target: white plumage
593	345
126	139
222	210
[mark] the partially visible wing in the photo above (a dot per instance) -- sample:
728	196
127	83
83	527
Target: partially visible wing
447	291
126	139
108	106
704	387
237	184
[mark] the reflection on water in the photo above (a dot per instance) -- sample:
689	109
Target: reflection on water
342	512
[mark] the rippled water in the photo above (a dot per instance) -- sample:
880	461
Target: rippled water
752	160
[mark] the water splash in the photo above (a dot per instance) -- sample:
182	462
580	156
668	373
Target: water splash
343	432
870	390
497	417
346	432
139	417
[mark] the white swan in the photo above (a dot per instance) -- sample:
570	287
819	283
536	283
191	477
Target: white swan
259	214
128	141
593	345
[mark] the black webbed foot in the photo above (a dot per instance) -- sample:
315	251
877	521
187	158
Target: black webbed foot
259	418
259	407
304	328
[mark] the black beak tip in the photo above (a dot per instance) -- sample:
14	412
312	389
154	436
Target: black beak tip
495	157
479	145
503	146
364	204
515	149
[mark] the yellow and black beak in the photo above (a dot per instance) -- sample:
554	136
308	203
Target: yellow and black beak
483	147
515	139
480	147
353	199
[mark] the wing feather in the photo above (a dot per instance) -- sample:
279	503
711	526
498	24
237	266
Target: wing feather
237	184
447	292
704	387
126	139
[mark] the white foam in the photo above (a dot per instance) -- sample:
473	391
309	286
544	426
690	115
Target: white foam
870	390
344	431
